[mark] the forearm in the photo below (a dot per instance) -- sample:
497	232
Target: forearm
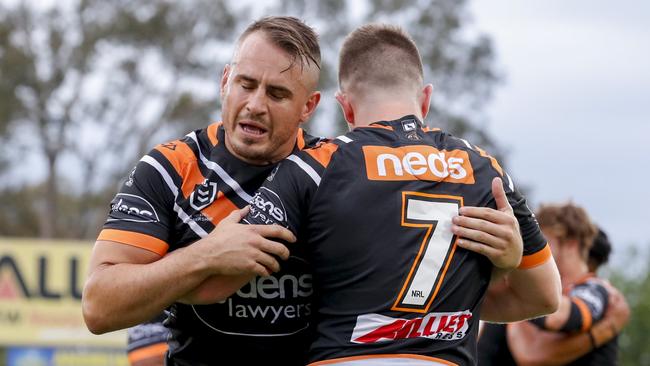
523	294
215	289
531	346
122	295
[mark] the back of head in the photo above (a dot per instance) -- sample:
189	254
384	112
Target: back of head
379	56
568	222
292	35
600	250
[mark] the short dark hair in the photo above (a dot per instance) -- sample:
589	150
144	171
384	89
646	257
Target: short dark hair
292	35
381	55
600	250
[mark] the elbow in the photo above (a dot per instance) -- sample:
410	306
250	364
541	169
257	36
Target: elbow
93	313
95	322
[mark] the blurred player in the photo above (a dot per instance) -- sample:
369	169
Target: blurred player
586	300
373	211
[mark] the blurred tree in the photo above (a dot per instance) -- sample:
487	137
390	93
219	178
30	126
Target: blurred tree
634	281
88	86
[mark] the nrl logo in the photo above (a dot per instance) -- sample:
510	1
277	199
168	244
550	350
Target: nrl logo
203	195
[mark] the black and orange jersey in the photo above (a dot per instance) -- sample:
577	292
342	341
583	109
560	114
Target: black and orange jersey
373	209
147	341
589	300
176	195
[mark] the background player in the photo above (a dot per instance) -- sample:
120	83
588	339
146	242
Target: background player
586	299
374	211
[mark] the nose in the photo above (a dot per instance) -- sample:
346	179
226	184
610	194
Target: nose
256	104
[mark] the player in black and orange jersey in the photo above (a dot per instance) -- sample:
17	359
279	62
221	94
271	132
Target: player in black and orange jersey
570	337
172	229
586	297
393	284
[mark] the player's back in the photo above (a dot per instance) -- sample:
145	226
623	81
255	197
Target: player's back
373	210
389	278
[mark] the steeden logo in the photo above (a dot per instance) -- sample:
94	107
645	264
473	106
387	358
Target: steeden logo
418	162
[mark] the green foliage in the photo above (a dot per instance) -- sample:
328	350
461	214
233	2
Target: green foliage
634	283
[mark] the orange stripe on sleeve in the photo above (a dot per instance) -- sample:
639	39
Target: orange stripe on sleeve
536	259
157	350
584	311
139	240
323	153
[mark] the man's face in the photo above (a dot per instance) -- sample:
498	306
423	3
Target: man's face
264	101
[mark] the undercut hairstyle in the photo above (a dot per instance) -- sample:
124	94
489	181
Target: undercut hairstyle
568	222
381	56
292	35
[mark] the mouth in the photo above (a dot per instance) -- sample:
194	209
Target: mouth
252	128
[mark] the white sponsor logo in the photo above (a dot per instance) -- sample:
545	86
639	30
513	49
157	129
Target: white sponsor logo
203	195
372	328
267	206
415	163
134	208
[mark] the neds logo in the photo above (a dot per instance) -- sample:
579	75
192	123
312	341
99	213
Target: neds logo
418	162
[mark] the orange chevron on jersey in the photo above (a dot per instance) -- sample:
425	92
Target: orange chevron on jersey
418	162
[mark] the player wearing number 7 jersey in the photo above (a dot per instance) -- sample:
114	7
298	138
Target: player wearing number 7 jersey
373	211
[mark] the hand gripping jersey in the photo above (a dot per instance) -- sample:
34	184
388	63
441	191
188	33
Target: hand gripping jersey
176	195
373	209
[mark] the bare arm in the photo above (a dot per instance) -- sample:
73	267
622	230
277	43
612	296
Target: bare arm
523	294
531	346
129	285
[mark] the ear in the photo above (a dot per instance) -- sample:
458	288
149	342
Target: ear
310	106
425	99
224	79
346	106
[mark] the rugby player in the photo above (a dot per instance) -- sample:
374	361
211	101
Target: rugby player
586	297
394	281
174	223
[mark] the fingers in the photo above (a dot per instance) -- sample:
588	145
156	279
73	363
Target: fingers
274	231
477	247
500	195
487	214
275	248
236	215
478	229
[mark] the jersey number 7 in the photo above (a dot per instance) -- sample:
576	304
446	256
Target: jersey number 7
432	212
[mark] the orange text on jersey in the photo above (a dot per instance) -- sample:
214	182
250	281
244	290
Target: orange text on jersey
418	162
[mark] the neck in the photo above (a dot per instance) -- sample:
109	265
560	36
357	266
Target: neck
384	109
572	269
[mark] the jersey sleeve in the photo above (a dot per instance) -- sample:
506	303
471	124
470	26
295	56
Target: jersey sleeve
141	213
536	249
588	304
285	196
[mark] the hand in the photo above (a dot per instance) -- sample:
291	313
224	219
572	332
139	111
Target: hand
492	233
239	249
615	319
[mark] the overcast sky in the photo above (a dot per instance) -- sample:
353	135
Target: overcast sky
574	110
